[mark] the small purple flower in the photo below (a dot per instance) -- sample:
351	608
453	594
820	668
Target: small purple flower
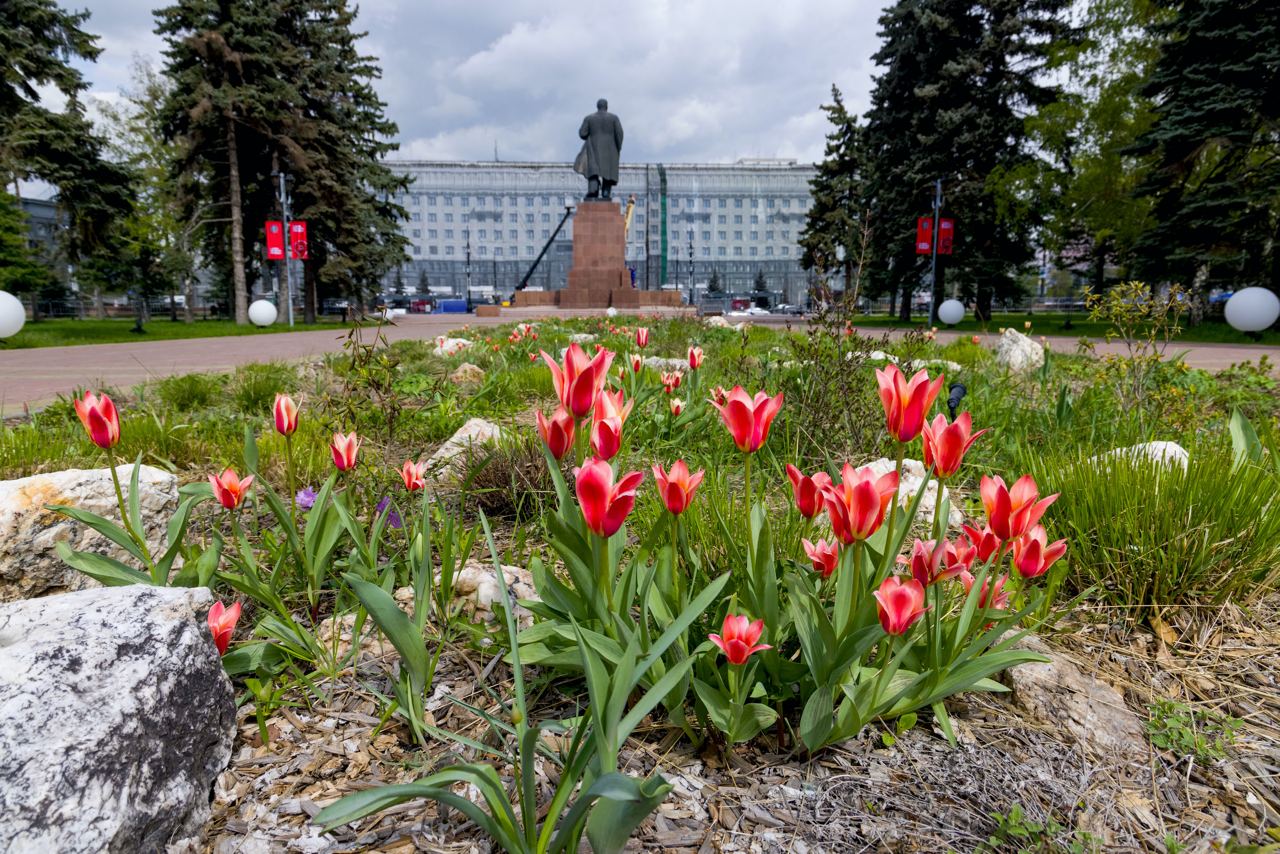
305	499
393	518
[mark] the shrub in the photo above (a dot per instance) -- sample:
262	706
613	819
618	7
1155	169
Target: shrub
254	387
190	392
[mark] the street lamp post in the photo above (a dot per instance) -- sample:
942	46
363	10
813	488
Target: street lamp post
288	245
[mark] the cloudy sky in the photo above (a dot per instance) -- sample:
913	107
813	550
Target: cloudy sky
698	80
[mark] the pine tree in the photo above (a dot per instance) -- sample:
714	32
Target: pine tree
760	285
960	79
833	226
20	271
713	284
1216	214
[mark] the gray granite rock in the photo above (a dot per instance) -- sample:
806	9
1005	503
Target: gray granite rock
1018	353
115	718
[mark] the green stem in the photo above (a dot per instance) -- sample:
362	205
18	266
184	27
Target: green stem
884	668
603	580
940	525
124	513
751	549
891	537
293	486
675	563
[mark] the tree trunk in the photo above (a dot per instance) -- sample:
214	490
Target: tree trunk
189	295
908	294
99	304
237	227
1099	282
893	301
982	304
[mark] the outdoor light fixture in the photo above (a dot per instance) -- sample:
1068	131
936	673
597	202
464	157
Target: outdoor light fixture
12	314
951	312
262	313
956	393
1252	309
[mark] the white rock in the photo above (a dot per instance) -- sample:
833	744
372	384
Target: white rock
477	586
946	364
446	346
1018	353
610	312
718	322
1163	453
913	473
661	363
449	462
29	565
873	356
467	374
582	338
115	718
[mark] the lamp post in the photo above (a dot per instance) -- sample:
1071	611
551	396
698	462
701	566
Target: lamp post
467	268
692	284
288	244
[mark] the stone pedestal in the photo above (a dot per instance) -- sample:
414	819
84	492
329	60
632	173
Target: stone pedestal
599	257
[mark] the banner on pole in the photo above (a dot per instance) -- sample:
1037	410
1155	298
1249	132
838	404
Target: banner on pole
946	233
275	240
924	235
298	240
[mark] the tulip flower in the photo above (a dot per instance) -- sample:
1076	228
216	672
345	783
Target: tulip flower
671	381
1012	512
695	358
642	337
808	491
825	556
737	638
1033	555
677	486
900	603
100	419
932	562
719	395
344	450
222	623
983	541
637	363
990	596
677	406
946	444
286	412
975	340
413	475
748	419
612	404
581	378
229	489
557	433
906	403
857	503
605	504
1026	324
606	438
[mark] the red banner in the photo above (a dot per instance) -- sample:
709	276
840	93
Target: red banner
298	240
924	235
275	240
946	233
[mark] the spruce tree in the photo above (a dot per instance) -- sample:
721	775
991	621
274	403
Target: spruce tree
1215	143
20	271
833	225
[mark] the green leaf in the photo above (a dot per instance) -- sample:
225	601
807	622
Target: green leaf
250	450
1245	445
102	525
623	803
815	720
755	718
107	570
135	497
397	626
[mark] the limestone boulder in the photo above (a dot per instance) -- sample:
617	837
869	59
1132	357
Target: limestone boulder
467	374
446	346
1018	353
715	321
663	363
1167	454
477	586
913	474
449	462
29	533
115	718
582	337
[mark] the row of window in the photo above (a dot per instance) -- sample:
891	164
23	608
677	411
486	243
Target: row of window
514	251
692	203
675	202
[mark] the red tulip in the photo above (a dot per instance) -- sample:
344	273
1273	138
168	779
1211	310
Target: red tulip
612	404
100	419
605	504
932	562
695	358
975	340
825	556
984	541
809	491
222	622
900	604
642	337
533	357
606	438
737	638
677	406
413	475
719	395
286	412
990	596
344	450
747	418
1012	512
857	503
671	380
557	434
229	489
581	378
1033	555
906	403
677	486
946	444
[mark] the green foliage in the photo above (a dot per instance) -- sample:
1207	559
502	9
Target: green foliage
1016	832
1196	733
188	392
254	386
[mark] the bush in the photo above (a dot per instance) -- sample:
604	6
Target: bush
254	387
190	392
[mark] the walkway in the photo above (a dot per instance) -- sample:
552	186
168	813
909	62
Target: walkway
32	378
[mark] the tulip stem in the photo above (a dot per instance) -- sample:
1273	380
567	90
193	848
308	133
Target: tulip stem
293	492
124	513
603	580
884	668
675	563
751	549
940	525
891	540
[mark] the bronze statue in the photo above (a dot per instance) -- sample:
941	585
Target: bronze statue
598	159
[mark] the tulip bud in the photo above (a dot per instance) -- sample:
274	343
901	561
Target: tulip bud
737	638
100	419
286	415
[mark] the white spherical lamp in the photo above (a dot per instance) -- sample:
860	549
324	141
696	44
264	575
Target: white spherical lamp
1252	309
262	313
12	314
951	312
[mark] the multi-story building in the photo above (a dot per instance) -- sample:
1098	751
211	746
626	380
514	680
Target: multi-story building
481	225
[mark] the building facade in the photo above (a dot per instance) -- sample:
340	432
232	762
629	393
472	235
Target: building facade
477	227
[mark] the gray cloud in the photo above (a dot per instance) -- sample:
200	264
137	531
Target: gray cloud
701	80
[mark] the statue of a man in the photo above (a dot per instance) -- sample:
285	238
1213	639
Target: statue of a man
602	135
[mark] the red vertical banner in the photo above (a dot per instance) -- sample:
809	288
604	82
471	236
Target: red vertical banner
298	240
275	240
946	233
924	235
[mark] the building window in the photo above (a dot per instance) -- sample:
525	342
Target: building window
786	250
448	250
755	220
768	250
448	217
435	250
466	234
483	250
546	234
768	235
720	251
528	201
431	200
546	200
417	232
415	216
417	199
639	217
724	203
724	235
431	217
737	235
755	235
771	203
737	219
706	235
706	204
737	251
480	200
528	251
786	203
786	234
464	218
515	202
706	252
431	233
497	251
513	218
546	217
737	203
755	203
448	201
484	234
752	252
415	250
528	218
528	234
465	201
448	234
497	201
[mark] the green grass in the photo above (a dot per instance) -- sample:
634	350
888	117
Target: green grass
60	332
1209	332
